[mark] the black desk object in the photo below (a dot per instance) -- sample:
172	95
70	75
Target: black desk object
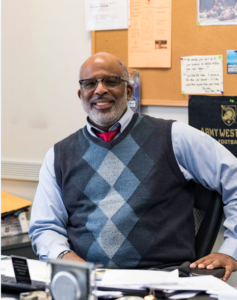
19	245
9	284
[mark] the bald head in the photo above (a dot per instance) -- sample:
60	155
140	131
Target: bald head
109	59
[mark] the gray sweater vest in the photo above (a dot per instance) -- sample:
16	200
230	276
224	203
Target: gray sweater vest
128	204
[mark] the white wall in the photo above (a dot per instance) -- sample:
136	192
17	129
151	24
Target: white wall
44	42
174	113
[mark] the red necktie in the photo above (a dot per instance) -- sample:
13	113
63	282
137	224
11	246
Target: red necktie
107	136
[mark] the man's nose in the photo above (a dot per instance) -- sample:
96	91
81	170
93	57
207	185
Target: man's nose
100	89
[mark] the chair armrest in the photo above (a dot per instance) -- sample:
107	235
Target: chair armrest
218	272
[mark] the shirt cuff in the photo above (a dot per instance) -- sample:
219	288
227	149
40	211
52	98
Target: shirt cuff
45	254
55	253
229	247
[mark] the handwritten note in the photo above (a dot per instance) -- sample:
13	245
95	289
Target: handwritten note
202	74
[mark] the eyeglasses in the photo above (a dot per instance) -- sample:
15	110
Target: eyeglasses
109	82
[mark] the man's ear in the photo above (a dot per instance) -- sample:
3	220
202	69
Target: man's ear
129	91
79	93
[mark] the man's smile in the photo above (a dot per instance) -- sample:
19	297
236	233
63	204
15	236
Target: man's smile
102	104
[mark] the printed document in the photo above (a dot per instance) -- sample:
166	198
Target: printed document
138	278
149	34
202	74
106	14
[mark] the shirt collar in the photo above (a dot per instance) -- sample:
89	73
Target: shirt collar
123	122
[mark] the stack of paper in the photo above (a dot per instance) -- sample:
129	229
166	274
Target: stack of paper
210	284
138	278
14	214
168	282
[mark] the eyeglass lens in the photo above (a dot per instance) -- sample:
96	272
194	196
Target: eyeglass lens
108	82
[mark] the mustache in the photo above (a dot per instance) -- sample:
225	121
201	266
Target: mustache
101	97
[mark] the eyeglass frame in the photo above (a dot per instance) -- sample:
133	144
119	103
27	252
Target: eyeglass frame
98	80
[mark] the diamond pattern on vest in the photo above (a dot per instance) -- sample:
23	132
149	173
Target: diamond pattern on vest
144	166
140	232
125	226
94	157
110	239
100	185
111	203
131	255
108	173
97	254
125	150
126	184
111	182
141	136
96	221
82	174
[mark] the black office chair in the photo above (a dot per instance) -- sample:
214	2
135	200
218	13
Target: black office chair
208	211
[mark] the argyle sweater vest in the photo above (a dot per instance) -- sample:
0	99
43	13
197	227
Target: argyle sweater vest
128	204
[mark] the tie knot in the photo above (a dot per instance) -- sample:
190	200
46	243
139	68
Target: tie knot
107	136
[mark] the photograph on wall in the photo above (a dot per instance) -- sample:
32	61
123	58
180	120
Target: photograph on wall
231	61
217	12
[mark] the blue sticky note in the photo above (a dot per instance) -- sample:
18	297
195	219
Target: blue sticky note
231	61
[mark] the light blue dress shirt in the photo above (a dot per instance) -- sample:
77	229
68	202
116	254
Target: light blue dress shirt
200	158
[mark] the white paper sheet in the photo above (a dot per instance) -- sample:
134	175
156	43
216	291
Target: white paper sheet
113	278
227	295
210	284
107	294
106	14
202	74
184	295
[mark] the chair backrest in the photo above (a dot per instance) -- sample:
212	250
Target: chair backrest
208	210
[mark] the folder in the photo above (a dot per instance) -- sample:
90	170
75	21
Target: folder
10	203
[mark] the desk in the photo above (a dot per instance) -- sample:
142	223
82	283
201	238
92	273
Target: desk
200	297
18	245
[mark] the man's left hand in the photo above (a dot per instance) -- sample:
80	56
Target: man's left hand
217	260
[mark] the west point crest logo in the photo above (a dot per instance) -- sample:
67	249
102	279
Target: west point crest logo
228	114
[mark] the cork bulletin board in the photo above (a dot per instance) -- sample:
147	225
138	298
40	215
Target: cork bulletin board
162	87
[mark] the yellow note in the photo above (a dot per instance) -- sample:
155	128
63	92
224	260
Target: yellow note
149	35
10	202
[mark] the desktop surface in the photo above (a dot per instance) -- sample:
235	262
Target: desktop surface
19	245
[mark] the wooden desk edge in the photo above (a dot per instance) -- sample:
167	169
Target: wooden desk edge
178	103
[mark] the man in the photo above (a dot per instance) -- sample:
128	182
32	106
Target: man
120	190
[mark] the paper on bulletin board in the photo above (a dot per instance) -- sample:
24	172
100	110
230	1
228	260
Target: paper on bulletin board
149	34
202	74
231	61
128	12
210	12
106	14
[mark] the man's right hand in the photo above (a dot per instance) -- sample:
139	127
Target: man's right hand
72	256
